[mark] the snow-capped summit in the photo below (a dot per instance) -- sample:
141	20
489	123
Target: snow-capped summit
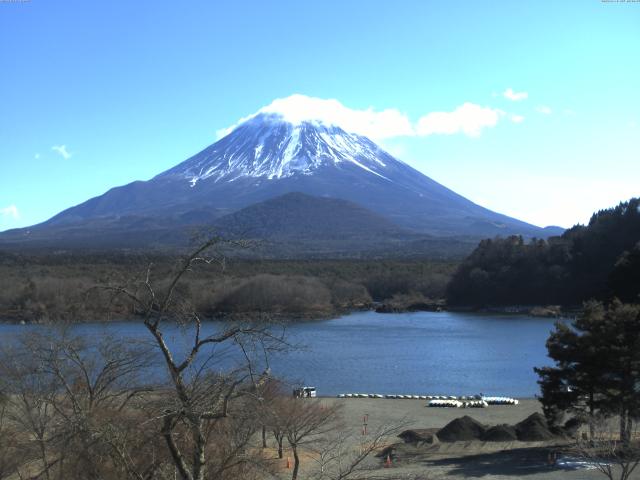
273	145
296	135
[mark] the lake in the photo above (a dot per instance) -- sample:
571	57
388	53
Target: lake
427	353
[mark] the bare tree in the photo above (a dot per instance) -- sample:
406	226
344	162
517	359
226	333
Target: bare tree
603	448
64	396
343	454
274	416
269	394
202	394
29	403
10	455
305	421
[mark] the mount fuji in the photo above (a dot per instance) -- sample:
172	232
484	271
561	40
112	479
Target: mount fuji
269	155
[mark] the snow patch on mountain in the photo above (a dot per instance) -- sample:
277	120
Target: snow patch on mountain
270	146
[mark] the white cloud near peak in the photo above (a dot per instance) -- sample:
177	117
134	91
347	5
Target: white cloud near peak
509	94
62	150
371	123
378	125
468	118
544	109
516	118
11	211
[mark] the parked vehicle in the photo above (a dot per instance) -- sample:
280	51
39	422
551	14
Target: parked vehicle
304	392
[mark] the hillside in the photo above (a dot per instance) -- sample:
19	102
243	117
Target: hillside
300	216
600	260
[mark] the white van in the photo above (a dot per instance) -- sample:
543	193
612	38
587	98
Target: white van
304	392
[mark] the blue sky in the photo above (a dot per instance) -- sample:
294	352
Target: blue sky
98	94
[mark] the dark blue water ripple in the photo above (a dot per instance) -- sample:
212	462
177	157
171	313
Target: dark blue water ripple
442	353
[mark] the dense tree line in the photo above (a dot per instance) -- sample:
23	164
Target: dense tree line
598	261
56	287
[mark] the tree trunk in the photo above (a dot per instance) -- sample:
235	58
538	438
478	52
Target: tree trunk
296	462
176	455
264	437
279	439
43	455
592	410
625	434
199	459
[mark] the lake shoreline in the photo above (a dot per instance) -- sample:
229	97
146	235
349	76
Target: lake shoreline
383	307
267	317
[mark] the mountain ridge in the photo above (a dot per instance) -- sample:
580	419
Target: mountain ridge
266	157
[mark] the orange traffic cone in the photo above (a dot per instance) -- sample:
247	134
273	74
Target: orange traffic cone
288	462
387	463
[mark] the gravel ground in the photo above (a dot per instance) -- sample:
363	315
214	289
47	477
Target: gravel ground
458	460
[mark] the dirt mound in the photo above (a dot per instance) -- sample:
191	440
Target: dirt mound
418	435
461	429
500	433
533	428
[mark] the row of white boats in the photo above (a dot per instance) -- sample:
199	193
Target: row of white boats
458	404
451	401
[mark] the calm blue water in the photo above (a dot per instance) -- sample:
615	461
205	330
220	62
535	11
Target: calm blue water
442	353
